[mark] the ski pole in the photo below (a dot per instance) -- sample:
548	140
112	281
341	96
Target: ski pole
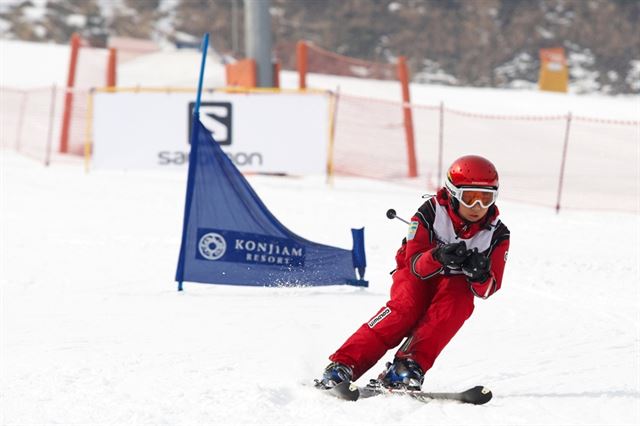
391	214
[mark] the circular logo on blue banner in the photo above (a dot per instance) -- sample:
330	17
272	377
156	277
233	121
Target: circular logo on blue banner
212	246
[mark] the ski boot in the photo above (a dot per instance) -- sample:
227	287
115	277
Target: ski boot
403	374
334	374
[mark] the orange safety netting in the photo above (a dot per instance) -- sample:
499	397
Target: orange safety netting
369	138
601	169
383	125
322	61
90	72
29	121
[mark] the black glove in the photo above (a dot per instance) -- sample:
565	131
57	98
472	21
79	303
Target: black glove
477	266
451	255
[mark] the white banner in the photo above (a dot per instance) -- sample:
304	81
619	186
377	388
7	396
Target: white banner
260	132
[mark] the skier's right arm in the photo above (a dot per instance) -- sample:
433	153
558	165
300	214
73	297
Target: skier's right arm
419	252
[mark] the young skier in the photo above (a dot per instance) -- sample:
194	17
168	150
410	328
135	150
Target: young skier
455	250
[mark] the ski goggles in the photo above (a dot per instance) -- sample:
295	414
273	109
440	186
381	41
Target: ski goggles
470	196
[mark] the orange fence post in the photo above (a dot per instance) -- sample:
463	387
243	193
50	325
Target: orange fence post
112	67
301	59
276	75
68	98
403	76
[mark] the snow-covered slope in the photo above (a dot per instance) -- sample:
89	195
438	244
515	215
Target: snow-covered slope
93	330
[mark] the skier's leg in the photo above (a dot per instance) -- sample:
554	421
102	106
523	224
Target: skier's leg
387	327
452	304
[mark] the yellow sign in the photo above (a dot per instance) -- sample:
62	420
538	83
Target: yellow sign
554	72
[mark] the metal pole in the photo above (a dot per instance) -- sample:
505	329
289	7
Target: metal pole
88	130
333	116
193	156
203	60
52	112
21	114
391	214
564	160
257	38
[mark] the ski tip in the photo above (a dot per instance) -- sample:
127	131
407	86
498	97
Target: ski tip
477	395
347	391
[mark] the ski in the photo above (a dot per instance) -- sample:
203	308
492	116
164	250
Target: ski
477	395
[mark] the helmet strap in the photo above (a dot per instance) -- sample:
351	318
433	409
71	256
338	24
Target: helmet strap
455	204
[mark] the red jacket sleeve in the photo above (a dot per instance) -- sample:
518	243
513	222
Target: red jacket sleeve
494	282
419	249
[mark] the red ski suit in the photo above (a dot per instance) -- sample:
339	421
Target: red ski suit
428	303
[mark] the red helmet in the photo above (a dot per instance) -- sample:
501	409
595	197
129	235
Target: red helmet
472	179
473	170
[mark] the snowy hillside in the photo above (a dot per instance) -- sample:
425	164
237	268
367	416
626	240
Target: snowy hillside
474	43
177	70
94	332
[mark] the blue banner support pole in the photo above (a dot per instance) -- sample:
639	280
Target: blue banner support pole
359	258
192	164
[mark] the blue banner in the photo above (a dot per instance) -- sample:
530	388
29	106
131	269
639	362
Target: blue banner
242	247
230	237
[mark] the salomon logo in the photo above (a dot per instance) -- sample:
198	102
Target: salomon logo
379	317
215	117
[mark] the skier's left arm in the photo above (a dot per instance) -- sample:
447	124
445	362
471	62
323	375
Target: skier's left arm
485	284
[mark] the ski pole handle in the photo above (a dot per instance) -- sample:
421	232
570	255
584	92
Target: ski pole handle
391	214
